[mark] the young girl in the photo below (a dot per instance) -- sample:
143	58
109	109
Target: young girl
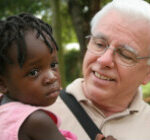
29	78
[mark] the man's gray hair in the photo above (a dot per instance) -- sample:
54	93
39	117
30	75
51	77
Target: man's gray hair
136	9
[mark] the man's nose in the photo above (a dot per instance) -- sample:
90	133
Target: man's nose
49	77
107	58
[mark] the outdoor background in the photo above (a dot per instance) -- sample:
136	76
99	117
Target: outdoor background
70	20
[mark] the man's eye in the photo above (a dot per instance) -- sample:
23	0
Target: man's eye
126	55
100	43
54	65
33	73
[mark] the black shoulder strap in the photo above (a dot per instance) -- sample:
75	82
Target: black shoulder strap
86	122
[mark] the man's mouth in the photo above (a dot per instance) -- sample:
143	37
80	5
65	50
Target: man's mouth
103	77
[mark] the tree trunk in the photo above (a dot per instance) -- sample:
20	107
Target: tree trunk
56	24
81	12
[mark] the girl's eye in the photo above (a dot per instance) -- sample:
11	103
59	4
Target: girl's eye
54	65
33	73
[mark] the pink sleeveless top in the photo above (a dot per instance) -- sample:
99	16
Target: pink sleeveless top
12	116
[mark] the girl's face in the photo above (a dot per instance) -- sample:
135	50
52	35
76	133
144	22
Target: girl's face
38	81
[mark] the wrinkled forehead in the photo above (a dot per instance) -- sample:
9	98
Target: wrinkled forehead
123	24
123	18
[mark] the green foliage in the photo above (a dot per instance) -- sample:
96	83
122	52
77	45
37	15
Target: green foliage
68	33
148	1
11	7
104	2
146	90
73	65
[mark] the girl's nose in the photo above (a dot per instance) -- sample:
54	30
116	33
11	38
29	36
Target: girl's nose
107	59
49	77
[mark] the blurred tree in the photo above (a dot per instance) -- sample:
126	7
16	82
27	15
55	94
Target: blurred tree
73	69
56	24
81	12
10	7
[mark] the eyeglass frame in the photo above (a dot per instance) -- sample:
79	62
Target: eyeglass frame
114	50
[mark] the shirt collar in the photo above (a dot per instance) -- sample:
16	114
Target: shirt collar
75	88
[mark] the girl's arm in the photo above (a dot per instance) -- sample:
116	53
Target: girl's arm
39	126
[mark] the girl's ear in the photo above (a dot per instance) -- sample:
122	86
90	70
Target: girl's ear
3	86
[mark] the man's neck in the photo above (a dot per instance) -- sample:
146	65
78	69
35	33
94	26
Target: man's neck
111	109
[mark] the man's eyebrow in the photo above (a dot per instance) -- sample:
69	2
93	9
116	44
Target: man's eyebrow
101	36
129	48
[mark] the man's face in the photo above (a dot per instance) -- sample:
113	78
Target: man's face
38	81
105	79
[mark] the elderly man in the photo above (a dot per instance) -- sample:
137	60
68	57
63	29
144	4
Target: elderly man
116	63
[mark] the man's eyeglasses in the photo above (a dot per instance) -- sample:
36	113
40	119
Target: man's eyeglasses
124	55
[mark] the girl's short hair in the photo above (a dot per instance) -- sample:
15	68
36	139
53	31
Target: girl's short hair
12	32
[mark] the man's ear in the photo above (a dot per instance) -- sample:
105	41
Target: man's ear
3	86
147	77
